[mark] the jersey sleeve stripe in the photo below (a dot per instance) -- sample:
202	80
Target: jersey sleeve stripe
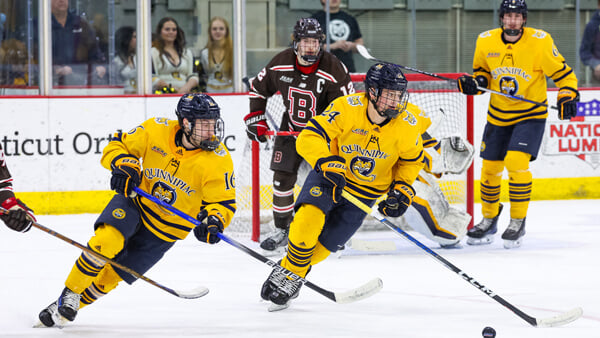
315	127
229	204
562	77
326	76
418	158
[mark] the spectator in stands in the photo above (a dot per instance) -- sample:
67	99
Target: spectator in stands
217	57
76	58
343	32
589	51
125	68
172	62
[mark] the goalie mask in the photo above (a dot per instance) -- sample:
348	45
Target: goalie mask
203	126
387	76
513	6
308	28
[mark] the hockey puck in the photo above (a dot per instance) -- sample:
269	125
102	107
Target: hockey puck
488	332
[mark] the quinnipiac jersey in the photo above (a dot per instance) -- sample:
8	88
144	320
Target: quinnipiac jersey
376	155
189	180
304	95
6	189
520	69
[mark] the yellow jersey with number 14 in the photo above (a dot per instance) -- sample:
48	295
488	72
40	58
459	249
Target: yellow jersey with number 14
376	155
520	69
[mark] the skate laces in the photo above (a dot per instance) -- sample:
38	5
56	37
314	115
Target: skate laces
515	224
69	299
485	224
284	284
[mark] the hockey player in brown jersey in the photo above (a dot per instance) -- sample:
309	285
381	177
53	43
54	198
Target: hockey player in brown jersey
308	78
19	216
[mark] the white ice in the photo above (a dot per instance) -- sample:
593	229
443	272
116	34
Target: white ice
555	270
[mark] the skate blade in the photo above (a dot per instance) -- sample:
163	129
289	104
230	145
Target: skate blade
275	307
58	324
508	244
489	239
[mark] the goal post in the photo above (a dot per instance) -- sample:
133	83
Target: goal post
451	113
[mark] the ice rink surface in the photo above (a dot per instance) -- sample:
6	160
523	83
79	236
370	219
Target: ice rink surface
555	270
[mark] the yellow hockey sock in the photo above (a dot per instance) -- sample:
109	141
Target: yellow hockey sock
520	182
302	239
491	177
105	282
107	241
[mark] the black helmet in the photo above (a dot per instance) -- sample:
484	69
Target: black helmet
512	6
200	106
386	76
309	28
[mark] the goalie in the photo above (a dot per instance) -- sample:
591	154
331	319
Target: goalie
430	213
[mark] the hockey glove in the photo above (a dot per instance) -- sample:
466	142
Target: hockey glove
468	84
207	231
19	216
397	201
567	103
333	169
126	174
256	126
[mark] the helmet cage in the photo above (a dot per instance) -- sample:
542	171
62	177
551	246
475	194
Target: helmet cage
194	107
513	6
386	76
308	28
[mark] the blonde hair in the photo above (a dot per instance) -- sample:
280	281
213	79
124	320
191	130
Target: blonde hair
226	45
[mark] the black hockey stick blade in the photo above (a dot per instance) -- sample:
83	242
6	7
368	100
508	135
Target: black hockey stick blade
364	291
362	50
190	294
561	319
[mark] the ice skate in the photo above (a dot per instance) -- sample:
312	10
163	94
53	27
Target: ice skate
49	316
279	289
483	233
513	235
276	243
68	304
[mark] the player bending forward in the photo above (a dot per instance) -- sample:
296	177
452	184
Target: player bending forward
184	164
19	216
369	143
308	79
514	59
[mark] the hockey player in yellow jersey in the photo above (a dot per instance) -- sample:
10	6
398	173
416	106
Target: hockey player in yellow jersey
368	144
184	164
515	60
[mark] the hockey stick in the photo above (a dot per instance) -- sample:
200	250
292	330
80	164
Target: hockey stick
361	292
558	320
282	133
362	50
192	294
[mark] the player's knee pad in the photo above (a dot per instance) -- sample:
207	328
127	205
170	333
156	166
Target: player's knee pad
107	241
307	225
284	181
517	161
492	170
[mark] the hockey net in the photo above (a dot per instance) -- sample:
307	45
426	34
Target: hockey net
450	111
